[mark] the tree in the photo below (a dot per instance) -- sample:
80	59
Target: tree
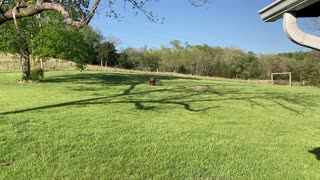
93	37
312	68
150	60
19	41
77	13
44	36
24	11
246	66
107	54
114	40
63	43
125	62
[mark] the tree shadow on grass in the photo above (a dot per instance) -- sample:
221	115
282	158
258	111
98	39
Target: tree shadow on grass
139	104
184	101
95	101
110	79
185	97
316	151
300	101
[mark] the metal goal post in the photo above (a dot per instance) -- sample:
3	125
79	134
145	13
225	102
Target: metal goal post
289	73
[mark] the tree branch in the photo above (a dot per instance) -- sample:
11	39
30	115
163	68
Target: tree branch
40	6
141	8
39	2
92	11
194	2
1	3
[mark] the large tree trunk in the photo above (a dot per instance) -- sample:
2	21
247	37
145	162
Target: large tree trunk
24	51
25	63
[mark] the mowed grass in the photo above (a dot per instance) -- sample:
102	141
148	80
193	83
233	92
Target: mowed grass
100	125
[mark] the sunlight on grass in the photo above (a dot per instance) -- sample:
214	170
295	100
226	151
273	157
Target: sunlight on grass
93	125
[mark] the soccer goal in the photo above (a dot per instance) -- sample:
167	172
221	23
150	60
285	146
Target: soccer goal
283	79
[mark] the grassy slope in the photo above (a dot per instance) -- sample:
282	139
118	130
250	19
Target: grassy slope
96	124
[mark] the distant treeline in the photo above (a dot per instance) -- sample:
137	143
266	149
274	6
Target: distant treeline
201	60
204	60
89	46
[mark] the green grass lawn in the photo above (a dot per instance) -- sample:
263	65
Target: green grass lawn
100	125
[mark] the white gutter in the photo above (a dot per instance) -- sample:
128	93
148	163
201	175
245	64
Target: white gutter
296	35
275	10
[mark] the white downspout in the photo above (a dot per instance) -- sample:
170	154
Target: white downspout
296	35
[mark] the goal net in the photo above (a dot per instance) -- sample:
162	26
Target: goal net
281	78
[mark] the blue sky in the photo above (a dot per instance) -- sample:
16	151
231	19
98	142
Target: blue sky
225	23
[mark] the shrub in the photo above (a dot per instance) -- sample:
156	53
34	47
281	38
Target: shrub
36	74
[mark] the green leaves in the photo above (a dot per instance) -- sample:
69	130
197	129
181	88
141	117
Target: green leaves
62	43
108	53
